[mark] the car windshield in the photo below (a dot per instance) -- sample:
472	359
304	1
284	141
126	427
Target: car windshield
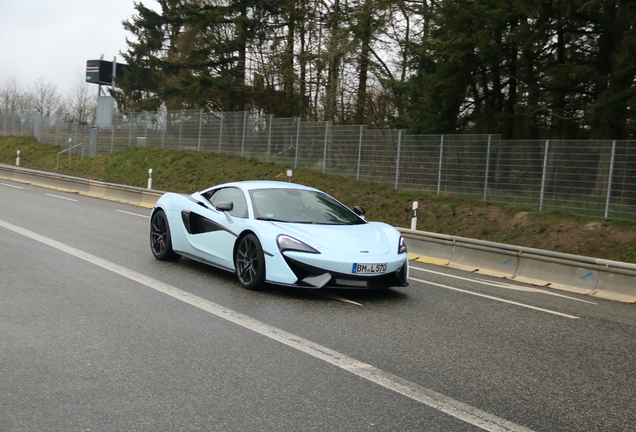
301	206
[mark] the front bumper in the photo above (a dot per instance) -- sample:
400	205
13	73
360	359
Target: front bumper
314	277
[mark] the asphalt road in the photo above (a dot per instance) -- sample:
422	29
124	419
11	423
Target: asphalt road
97	335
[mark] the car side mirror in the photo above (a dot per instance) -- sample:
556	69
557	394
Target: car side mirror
225	206
359	211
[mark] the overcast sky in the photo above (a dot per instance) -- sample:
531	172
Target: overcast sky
54	38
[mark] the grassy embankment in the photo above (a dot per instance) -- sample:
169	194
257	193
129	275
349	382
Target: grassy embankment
188	171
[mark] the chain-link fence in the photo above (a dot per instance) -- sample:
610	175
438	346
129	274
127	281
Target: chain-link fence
592	178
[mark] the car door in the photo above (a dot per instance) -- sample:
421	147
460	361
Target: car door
213	231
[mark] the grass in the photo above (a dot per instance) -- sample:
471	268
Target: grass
186	172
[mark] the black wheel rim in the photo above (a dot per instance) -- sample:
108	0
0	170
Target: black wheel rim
158	234
247	261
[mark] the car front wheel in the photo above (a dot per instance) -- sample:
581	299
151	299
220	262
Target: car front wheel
160	241
250	263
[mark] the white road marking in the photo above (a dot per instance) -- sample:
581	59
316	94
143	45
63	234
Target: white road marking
61	197
10	185
338	298
438	401
497	299
505	285
134	214
530	289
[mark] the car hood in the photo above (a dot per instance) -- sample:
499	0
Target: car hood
344	239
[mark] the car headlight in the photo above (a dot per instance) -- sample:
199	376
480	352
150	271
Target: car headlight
287	243
402	245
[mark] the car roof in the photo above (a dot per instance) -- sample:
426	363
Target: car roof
263	184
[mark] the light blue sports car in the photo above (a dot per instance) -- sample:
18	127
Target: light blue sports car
279	233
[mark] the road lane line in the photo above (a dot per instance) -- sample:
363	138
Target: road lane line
504	285
61	197
527	306
438	401
10	185
134	214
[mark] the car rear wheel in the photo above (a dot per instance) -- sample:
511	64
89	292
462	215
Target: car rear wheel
160	241
250	263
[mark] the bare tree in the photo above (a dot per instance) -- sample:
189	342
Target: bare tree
45	98
12	97
81	101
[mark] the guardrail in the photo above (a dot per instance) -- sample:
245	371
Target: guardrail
613	280
93	188
608	279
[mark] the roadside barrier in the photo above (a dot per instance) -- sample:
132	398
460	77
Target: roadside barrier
92	188
608	279
584	275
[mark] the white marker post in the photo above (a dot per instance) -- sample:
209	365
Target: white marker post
150	178
414	217
289	175
17	159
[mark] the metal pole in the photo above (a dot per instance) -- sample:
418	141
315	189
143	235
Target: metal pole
439	171
609	181
545	173
180	127
297	141
397	159
269	136
200	125
487	168
359	151
221	117
244	132
324	154
130	120
164	126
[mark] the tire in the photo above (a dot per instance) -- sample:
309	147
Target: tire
249	262
160	240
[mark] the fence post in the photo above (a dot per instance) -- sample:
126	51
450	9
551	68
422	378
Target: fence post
609	180
130	121
200	125
244	132
324	154
112	136
545	174
269	137
221	117
439	171
164	126
297	141
359	151
180	127
397	159
487	168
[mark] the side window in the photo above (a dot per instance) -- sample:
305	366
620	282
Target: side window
230	194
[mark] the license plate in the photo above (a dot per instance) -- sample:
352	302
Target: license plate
368	268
